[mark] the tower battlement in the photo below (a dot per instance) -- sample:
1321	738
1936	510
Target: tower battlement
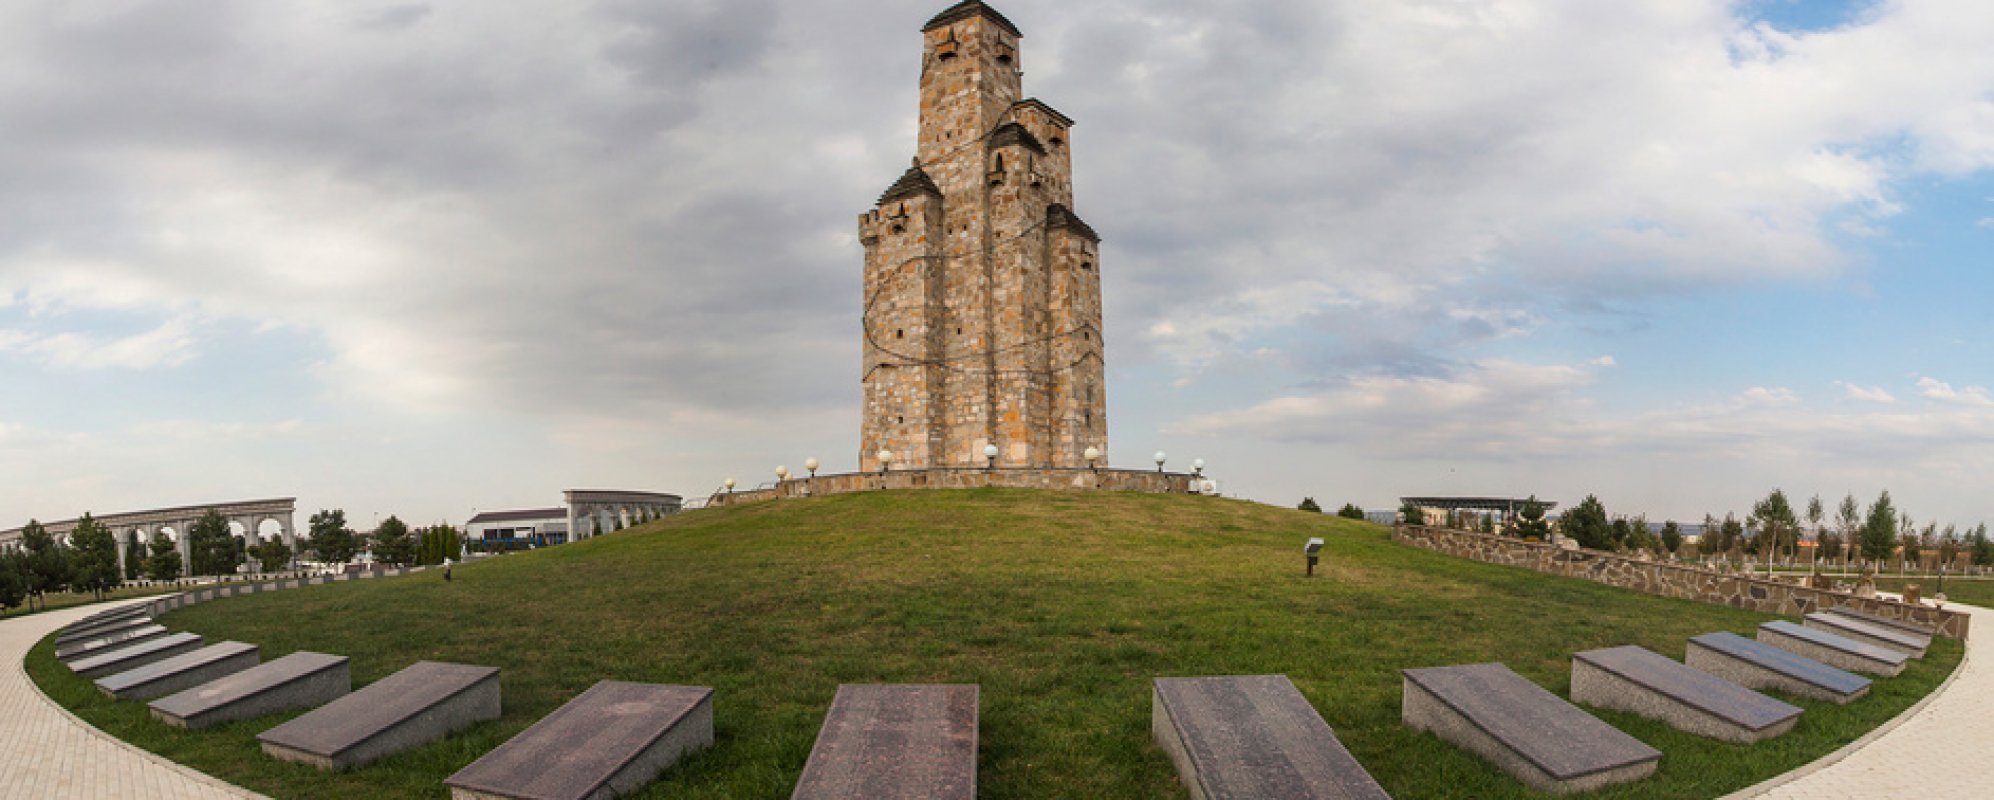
982	318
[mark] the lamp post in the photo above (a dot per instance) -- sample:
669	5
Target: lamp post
990	456
811	464
729	483
781	474
1092	455
885	460
1197	467
1160	458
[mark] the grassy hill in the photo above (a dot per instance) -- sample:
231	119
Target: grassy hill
1062	606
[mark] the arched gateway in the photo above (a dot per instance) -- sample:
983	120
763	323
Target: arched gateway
249	514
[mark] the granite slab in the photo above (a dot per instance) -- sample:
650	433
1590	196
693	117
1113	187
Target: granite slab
606	743
425	701
1647	683
1906	626
298	680
124	658
1884	636
1832	649
111	640
895	742
1537	737
84	633
1253	737
1757	665
184	671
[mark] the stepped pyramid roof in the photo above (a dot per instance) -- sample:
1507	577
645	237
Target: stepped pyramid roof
965	10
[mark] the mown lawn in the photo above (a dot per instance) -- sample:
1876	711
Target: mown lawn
1971	591
61	600
1061	606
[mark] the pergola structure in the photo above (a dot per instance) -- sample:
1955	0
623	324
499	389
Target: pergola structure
1507	506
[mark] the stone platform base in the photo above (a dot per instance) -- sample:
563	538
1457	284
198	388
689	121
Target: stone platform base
1113	480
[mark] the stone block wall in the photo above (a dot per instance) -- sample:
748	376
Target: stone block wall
1113	480
1669	580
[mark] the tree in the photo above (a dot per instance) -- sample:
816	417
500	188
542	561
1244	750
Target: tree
164	563
13	580
1731	534
1586	523
1530	523
1777	527
1671	537
1350	511
1412	513
392	543
1879	532
1623	533
134	556
94	567
1914	548
1848	523
1708	542
1983	547
1309	504
271	554
440	542
1488	523
330	538
47	567
210	547
1815	513
1831	545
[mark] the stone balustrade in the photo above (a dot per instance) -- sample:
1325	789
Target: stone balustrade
1116	480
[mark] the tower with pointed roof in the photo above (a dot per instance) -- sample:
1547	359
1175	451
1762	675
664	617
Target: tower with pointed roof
982	318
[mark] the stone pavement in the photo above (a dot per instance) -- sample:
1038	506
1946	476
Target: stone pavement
1932	752
47	754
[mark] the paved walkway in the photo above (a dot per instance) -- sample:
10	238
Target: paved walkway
47	754
1935	752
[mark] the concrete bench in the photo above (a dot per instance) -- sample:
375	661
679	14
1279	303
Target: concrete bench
121	612
895	742
299	680
1647	683
1832	649
84	648
606	743
1906	626
1757	665
1548	744
1253	737
1884	636
99	629
426	701
119	659
185	671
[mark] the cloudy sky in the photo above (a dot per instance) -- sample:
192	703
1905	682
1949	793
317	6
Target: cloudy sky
425	258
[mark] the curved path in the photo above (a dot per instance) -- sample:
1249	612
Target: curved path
1933	751
47	754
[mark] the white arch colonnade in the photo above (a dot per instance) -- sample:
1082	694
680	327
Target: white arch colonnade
589	509
250	514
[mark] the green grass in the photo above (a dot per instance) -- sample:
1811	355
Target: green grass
62	600
1971	591
1061	606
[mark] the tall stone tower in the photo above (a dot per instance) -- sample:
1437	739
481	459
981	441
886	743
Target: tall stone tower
982	287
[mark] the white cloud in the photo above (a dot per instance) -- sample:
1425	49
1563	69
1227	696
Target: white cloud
1943	392
171	344
1870	394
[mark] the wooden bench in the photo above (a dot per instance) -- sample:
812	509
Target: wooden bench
1832	649
1910	644
1757	665
1906	626
119	659
185	671
424	702
1548	744
606	743
1647	683
895	742
84	648
298	680
1253	738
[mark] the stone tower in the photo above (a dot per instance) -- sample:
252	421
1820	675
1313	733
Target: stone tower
982	287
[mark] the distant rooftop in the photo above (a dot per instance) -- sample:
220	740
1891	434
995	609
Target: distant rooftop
1477	503
518	516
970	8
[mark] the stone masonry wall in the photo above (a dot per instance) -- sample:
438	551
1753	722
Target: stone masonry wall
1669	580
1114	480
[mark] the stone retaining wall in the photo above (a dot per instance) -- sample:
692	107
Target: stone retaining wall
1670	580
1114	480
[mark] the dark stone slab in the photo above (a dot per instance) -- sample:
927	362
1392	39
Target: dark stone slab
124	658
1832	649
185	671
1757	665
608	742
121	612
104	644
299	680
1253	738
895	742
1906	626
1644	682
1910	644
77	633
1534	735
424	702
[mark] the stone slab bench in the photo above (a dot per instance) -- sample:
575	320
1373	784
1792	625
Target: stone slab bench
111	640
120	659
606	743
425	701
1253	738
82	633
1644	682
299	680
1906	626
184	671
122	612
1548	744
1757	665
895	742
1909	644
1832	649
